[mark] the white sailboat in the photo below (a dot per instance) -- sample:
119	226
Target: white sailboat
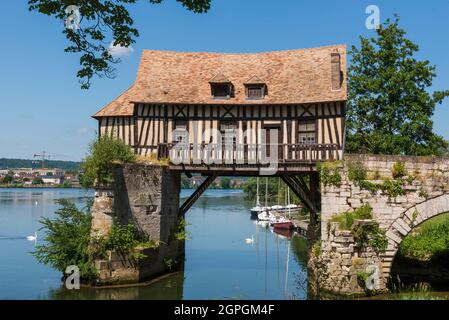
258	209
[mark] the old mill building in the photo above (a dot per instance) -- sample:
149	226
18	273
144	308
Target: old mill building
297	96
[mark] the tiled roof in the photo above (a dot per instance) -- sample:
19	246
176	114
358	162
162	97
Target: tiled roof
219	78
254	80
292	76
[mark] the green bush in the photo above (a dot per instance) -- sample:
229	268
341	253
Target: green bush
103	153
394	188
8	179
123	239
398	170
67	240
346	219
329	173
37	181
364	234
181	233
370	235
356	171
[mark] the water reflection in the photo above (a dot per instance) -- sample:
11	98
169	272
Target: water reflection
168	288
219	263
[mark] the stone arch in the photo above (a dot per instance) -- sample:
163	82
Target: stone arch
409	219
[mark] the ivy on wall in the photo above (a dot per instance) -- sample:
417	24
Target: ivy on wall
329	173
358	174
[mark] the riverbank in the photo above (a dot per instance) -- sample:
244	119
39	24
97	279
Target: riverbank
21	186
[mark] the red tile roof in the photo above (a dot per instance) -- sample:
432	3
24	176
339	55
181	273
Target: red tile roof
292	76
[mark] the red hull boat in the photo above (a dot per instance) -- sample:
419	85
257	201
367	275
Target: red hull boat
283	232
283	225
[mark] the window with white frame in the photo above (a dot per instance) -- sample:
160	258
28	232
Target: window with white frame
307	132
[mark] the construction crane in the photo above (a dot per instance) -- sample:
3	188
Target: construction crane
44	156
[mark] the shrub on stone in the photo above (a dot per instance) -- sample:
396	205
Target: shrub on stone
398	170
329	173
357	171
346	219
103	154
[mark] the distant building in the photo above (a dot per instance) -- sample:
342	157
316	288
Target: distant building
54	180
21	173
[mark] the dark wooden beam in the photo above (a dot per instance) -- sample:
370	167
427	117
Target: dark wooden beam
305	196
196	195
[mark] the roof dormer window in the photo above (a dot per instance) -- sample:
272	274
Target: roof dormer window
221	87
221	91
256	89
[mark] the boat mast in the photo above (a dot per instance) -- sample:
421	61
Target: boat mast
257	197
266	192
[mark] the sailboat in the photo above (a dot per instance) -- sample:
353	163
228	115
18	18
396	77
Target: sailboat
266	214
258	209
280	222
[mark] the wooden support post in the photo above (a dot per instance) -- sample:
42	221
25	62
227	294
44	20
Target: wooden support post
195	196
315	195
303	193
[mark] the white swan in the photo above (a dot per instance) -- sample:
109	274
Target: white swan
32	238
250	240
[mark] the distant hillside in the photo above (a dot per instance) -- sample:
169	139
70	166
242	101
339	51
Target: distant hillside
50	164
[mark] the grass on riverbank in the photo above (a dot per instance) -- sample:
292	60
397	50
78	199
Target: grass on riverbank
429	241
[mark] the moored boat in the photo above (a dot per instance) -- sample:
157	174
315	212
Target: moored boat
258	209
280	222
265	216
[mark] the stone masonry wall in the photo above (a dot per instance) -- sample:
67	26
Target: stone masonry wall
426	195
148	197
336	269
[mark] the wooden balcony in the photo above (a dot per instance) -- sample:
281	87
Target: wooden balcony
247	159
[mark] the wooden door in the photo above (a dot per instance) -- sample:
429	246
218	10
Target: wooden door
269	134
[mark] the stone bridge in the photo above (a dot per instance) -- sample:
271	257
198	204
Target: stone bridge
148	196
420	194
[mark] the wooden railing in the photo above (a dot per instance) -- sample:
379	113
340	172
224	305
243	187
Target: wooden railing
248	153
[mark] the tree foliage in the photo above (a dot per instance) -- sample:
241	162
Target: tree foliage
8	179
37	181
67	240
100	20
390	107
103	153
68	166
277	191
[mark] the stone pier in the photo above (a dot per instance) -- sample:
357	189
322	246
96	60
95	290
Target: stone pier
146	196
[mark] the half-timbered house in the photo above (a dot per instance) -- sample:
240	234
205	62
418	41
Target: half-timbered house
297	96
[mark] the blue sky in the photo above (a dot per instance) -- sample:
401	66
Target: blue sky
43	108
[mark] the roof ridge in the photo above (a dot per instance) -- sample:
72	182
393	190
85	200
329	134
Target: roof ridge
246	53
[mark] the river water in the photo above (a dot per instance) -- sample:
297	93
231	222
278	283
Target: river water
219	264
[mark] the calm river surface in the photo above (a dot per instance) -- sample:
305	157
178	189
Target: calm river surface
219	264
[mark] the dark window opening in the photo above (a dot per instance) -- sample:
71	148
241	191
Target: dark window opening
221	91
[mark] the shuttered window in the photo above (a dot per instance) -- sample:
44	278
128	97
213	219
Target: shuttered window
255	92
